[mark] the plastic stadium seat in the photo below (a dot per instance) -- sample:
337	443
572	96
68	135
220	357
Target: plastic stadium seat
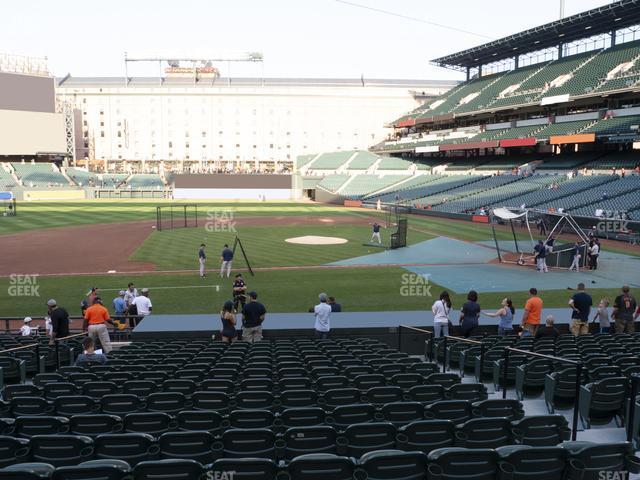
54	390
605	371
426	393
301	417
324	384
111	469
559	388
121	404
445	379
198	446
463	464
365	382
118	377
168	469
167	402
21	390
401	413
426	435
98	389
68	406
423	368
532	463
27	471
139	388
295	383
382	395
358	439
588	460
319	465
458	411
407	380
603	401
393	465
7	426
474	392
484	433
250	442
11	370
346	415
305	440
244	468
152	423
152	375
298	398
13	450
61	450
29	406
530	377
251	418
80	378
212	400
508	408
340	396
130	447
541	430
218	384
201	420
42	379
184	386
257	383
92	425
28	426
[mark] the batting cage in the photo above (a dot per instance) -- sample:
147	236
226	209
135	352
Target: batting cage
8	204
173	216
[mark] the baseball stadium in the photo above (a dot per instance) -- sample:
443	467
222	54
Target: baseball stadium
219	276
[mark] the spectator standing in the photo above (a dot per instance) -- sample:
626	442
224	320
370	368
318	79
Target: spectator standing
239	293
335	306
130	294
624	307
228	319
322	314
441	309
25	330
59	321
95	324
143	305
202	259
532	312
506	313
253	315
119	305
602	315
89	354
226	259
580	304
548	330
469	314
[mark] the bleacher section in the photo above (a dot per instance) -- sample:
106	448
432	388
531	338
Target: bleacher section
39	175
145	181
393	163
82	177
331	160
362	161
333	182
300	409
6	180
364	184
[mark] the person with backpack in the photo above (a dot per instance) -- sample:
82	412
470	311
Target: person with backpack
441	309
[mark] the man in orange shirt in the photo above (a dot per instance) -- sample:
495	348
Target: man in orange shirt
95	320
532	312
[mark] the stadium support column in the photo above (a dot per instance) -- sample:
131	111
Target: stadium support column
613	37
560	53
516	61
468	73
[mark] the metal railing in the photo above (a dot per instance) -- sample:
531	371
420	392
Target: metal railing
23	347
635	389
131	319
428	351
578	365
464	340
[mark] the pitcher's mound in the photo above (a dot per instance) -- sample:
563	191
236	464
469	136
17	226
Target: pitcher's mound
316	240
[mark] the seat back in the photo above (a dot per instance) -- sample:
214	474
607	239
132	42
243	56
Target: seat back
249	442
60	450
393	465
426	435
463	464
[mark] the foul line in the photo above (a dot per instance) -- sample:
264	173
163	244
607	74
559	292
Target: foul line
217	287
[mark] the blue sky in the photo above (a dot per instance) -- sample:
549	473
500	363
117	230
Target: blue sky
299	38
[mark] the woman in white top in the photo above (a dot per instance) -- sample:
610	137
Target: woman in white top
441	309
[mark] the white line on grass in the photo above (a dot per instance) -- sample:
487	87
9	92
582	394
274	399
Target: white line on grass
217	287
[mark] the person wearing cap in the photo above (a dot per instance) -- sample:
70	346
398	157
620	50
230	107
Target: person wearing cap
59	321
143	303
26	329
95	323
130	294
119	305
322	314
253	314
239	293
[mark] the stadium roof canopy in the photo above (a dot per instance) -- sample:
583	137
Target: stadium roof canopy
615	16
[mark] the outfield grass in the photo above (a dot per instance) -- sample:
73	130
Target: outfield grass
358	289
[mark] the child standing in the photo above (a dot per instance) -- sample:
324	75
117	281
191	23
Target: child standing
602	315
